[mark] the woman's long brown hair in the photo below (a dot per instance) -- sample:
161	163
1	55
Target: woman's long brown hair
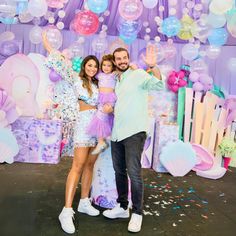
83	76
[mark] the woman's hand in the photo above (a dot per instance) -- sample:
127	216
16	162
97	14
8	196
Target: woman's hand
107	108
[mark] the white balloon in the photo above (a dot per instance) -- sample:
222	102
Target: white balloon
7	36
54	37
37	8
77	49
189	51
150	3
25	17
220	7
99	44
35	35
216	21
213	51
199	66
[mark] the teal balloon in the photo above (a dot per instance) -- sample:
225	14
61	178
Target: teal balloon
171	26
128	39
76	63
97	6
218	37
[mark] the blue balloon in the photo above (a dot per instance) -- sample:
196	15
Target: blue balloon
218	37
129	27
8	20
97	6
128	39
21	7
171	26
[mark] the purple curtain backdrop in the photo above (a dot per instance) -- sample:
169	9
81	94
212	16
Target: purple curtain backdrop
217	68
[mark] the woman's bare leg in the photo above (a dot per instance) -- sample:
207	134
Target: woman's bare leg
79	160
87	174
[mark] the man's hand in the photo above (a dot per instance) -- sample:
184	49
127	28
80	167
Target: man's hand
151	55
107	108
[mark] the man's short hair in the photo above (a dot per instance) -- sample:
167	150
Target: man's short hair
120	50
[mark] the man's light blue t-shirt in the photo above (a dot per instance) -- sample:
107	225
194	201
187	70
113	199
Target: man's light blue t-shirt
131	108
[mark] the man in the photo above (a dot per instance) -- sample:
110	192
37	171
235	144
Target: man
129	132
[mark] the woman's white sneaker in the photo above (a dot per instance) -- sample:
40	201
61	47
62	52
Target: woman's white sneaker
86	207
116	212
66	219
135	223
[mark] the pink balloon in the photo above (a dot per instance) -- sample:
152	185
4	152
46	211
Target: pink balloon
197	86
85	23
130	9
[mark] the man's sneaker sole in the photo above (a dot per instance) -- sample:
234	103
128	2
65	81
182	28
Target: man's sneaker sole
115	217
85	212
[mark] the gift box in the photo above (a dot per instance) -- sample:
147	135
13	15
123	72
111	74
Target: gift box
163	105
39	140
164	132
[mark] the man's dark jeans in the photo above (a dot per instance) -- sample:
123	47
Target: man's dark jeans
126	157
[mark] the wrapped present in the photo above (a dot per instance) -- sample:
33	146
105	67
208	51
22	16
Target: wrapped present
146	159
164	132
163	105
39	140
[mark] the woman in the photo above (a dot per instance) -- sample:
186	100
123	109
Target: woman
86	90
83	162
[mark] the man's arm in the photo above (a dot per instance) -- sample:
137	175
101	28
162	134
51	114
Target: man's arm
155	72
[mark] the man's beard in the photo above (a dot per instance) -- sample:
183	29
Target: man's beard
122	70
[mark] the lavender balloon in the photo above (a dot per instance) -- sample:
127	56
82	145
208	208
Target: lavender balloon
54	76
8	48
197	86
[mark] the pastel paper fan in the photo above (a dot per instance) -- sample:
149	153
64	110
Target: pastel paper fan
8	146
178	157
204	157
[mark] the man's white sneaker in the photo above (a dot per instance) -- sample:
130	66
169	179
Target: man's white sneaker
135	223
66	219
116	212
86	207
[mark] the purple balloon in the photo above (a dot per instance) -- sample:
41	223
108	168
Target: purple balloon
205	79
194	76
9	48
54	76
197	86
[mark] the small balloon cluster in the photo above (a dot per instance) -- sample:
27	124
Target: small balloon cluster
201	81
178	79
76	64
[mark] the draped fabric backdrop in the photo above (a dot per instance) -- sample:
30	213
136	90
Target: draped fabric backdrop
217	68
